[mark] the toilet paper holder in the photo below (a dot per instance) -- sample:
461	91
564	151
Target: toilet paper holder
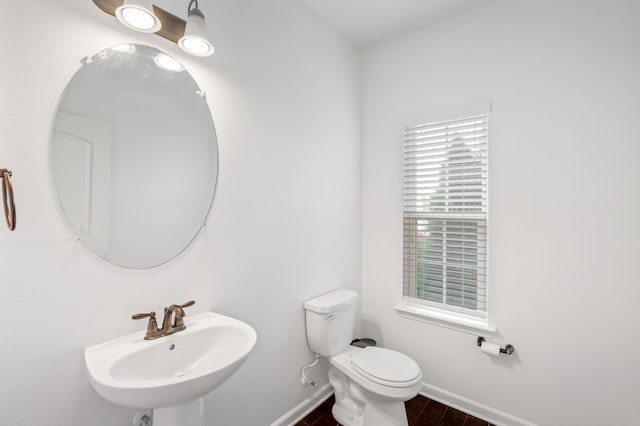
509	349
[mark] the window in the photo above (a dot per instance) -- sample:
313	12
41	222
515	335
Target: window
445	215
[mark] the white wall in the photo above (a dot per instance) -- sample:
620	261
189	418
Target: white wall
285	224
564	200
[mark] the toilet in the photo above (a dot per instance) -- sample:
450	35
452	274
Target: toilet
370	384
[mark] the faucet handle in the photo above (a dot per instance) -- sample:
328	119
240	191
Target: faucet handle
152	327
187	304
151	315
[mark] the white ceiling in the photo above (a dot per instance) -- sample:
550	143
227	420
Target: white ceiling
369	22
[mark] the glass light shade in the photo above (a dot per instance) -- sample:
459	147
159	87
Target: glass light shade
194	41
138	15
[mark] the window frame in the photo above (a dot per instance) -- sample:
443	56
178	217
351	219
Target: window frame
469	321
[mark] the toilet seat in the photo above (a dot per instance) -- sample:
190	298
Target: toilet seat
396	391
386	367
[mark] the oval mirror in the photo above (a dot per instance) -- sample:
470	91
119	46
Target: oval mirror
134	156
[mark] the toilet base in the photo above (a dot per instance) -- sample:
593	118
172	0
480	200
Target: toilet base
344	417
391	415
347	410
357	407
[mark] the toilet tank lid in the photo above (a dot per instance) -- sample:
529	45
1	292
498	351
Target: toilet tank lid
332	301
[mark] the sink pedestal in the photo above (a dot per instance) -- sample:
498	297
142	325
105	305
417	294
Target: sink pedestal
189	414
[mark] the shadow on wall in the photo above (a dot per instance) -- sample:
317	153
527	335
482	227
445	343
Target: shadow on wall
371	329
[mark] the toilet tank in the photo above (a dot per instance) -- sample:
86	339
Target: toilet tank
330	321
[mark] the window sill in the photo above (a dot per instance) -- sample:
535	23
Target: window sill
475	326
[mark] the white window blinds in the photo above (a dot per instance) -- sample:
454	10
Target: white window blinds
445	213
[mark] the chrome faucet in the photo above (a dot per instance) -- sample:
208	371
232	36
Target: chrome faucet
169	326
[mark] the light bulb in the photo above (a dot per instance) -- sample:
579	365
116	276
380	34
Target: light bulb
197	46
138	18
138	15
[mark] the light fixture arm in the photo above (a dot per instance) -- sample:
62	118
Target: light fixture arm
194	10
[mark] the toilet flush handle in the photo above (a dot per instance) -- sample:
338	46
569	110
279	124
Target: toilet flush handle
330	317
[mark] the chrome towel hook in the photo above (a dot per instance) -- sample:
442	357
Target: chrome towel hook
7	198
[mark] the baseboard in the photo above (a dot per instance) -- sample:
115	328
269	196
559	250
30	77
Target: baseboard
301	410
474	408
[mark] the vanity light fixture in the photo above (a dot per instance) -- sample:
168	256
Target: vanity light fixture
138	15
190	35
194	41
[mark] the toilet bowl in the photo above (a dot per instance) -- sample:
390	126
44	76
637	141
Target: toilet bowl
370	384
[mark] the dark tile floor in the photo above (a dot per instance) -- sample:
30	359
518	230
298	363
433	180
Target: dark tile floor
421	411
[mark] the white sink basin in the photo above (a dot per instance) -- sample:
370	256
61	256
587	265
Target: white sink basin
171	370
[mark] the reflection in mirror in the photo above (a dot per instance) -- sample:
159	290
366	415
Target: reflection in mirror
134	156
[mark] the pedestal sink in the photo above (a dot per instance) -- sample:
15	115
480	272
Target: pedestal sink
171	372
